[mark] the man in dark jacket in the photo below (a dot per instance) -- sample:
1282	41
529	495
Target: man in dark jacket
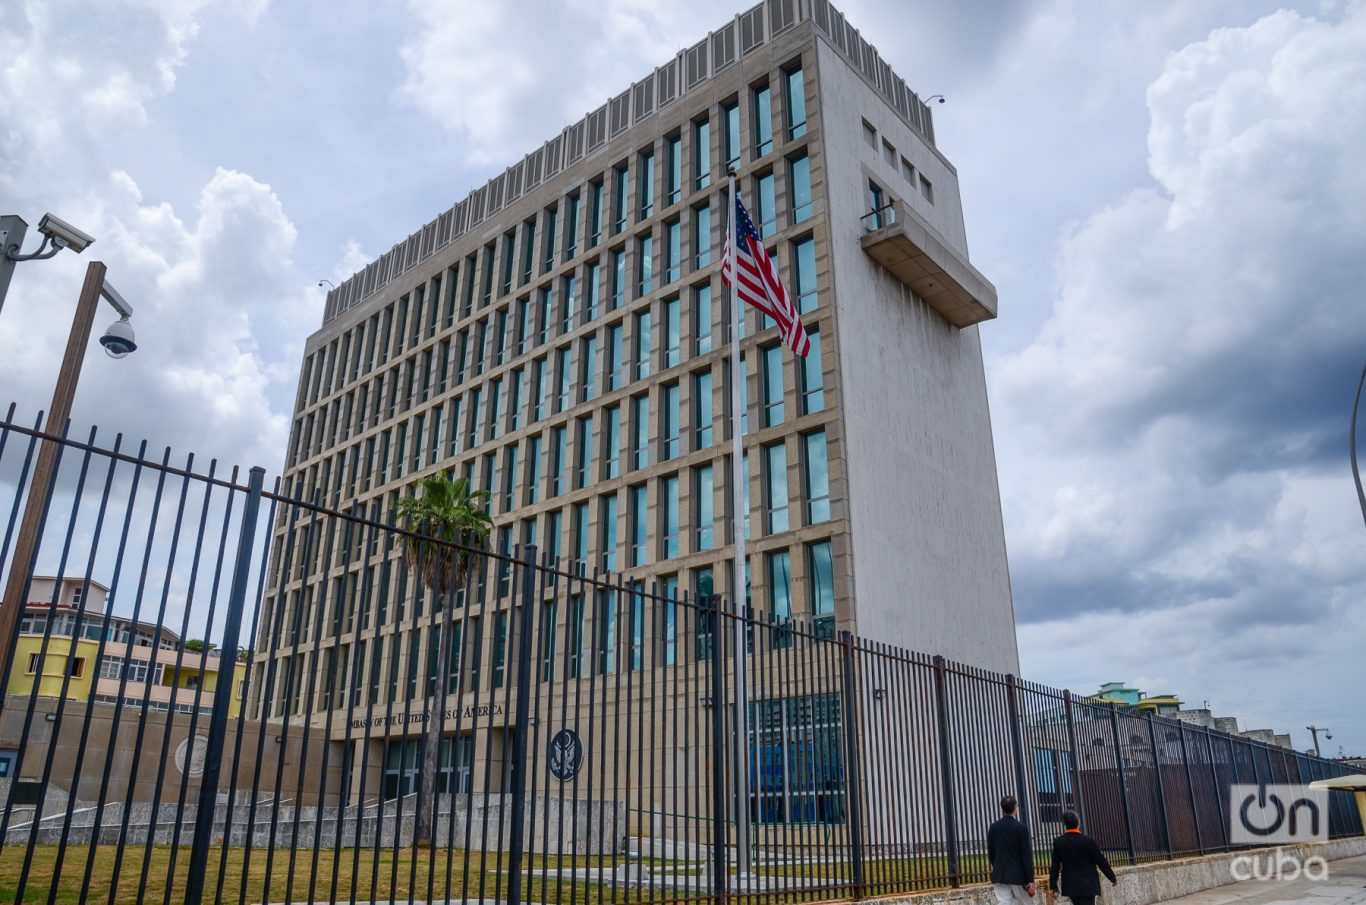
1076	856
1011	857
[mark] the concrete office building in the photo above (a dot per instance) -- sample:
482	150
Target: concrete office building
560	336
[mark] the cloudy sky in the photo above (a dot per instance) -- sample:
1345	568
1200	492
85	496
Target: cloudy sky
1168	196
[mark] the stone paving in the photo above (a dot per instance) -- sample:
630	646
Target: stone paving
1344	885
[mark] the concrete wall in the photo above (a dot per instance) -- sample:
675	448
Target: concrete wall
928	542
1147	884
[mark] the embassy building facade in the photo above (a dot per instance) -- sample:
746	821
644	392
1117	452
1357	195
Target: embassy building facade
561	338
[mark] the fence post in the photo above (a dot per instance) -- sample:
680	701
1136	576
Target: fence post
1017	744
1218	793
1123	784
718	751
1161	789
1190	789
1076	760
851	772
941	702
519	740
223	698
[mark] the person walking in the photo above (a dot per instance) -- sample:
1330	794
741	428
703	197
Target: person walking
1076	856
1011	857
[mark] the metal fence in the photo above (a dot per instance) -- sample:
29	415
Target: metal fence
231	693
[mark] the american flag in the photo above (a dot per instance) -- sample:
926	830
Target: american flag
758	282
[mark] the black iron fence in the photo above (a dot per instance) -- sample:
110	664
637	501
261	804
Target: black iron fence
224	692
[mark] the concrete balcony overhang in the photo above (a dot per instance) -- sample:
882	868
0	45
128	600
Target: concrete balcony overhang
913	252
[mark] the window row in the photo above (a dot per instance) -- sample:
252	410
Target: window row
626	350
584	219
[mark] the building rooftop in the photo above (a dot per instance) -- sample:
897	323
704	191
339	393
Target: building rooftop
690	69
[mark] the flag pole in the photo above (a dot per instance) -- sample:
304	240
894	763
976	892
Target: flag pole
737	473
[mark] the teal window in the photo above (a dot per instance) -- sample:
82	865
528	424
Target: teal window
545	315
500	647
701	153
773	385
640	434
779	586
668	619
622	192
571	228
615	355
593	284
813	376
568	303
618	278
640	515
702	410
799	185
673	251
673	333
775	475
607	515
595	214
701	236
701	312
605	625
730	117
575	637
765	204
548	628
524	325
559	448
611	441
817	479
517	398
533	470
541	391
674	176
642	325
875	205
763	121
804	276
647	185
821	580
668	504
509	247
588	381
579	529
495	408
669	427
527	251
794	86
553	535
583	450
703	497
551	217
564	362
637	629
645	265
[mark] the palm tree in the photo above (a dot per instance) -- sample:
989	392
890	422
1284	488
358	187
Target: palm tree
449	530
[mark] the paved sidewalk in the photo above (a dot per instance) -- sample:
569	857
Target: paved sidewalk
1346	885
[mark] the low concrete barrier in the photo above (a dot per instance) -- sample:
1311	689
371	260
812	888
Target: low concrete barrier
1158	881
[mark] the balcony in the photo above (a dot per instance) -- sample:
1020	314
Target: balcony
913	252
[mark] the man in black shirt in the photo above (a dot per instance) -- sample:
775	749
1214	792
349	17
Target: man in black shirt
1076	857
1011	857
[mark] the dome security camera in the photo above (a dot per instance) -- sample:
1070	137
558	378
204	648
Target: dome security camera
118	339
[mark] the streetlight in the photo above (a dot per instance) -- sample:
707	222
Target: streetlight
1352	444
118	342
57	234
1314	731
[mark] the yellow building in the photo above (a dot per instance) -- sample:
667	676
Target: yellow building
112	660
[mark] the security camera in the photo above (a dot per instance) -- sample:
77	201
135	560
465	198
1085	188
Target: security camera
1327	734
118	339
63	234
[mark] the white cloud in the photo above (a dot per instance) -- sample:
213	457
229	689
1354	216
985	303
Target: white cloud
506	84
220	310
1173	439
